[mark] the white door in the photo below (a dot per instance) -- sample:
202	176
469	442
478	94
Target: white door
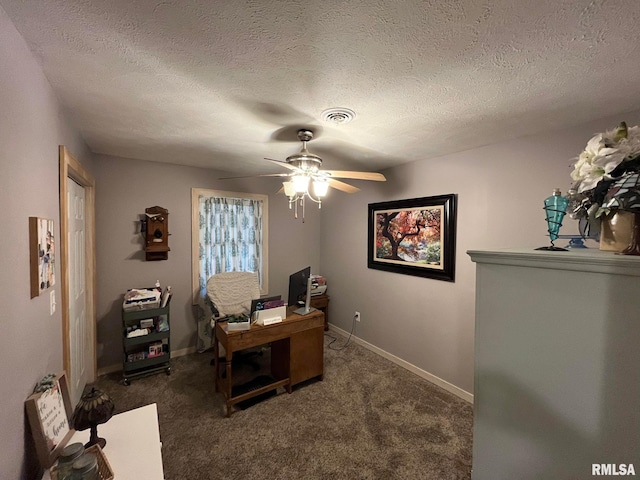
80	346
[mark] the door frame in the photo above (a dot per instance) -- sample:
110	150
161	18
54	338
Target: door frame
71	168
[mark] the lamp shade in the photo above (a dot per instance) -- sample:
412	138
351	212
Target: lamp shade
320	187
94	408
300	183
289	190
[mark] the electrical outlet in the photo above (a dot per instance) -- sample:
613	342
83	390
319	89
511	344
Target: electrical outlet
357	316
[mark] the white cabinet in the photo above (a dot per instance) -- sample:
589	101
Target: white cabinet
133	446
557	363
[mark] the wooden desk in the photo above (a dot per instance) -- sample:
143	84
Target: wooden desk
297	352
133	444
321	302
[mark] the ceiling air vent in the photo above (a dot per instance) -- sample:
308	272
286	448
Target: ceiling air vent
339	116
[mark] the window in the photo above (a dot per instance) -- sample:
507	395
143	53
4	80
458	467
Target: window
229	234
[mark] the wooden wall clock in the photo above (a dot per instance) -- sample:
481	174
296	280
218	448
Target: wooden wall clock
156	233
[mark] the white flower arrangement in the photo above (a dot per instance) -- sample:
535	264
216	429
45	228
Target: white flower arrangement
606	156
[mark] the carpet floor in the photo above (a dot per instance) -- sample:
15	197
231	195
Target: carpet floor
368	419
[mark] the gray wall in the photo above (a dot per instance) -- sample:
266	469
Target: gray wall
32	125
124	189
500	188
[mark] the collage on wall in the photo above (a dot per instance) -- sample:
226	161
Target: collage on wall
42	254
414	237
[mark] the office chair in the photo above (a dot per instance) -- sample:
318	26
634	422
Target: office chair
231	293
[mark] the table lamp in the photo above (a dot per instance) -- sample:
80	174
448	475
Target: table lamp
93	408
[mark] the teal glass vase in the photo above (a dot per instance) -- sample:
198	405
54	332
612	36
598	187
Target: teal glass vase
555	208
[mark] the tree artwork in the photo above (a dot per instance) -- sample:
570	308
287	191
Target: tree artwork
416	236
409	235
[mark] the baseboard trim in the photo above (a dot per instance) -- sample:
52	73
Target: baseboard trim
110	369
183	351
118	367
457	391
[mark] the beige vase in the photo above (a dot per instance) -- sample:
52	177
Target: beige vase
616	231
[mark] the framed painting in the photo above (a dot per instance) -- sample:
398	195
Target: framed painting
42	254
414	237
49	412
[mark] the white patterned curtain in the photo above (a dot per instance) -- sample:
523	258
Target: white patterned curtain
230	236
230	241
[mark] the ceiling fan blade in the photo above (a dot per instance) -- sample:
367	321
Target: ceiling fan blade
378	177
344	187
254	176
280	191
283	164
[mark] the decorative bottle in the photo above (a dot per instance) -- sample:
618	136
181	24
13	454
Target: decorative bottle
555	207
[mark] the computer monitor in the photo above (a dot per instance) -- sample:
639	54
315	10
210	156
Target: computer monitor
298	287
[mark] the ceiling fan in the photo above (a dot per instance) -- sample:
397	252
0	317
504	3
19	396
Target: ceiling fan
304	169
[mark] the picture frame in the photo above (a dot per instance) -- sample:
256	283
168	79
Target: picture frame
49	413
414	237
42	254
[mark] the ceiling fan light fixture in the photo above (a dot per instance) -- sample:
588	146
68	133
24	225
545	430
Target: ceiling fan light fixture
320	187
305	168
289	189
338	115
305	161
300	183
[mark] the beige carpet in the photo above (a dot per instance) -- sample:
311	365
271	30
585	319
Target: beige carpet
368	419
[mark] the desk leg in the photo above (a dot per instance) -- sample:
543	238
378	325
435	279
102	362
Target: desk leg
229	382
216	364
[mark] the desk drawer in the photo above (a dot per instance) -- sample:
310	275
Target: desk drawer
260	335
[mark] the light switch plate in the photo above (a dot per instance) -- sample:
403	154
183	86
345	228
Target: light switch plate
52	302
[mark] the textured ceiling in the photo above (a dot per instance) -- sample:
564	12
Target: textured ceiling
222	84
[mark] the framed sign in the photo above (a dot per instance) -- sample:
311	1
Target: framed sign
414	237
49	414
42	254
